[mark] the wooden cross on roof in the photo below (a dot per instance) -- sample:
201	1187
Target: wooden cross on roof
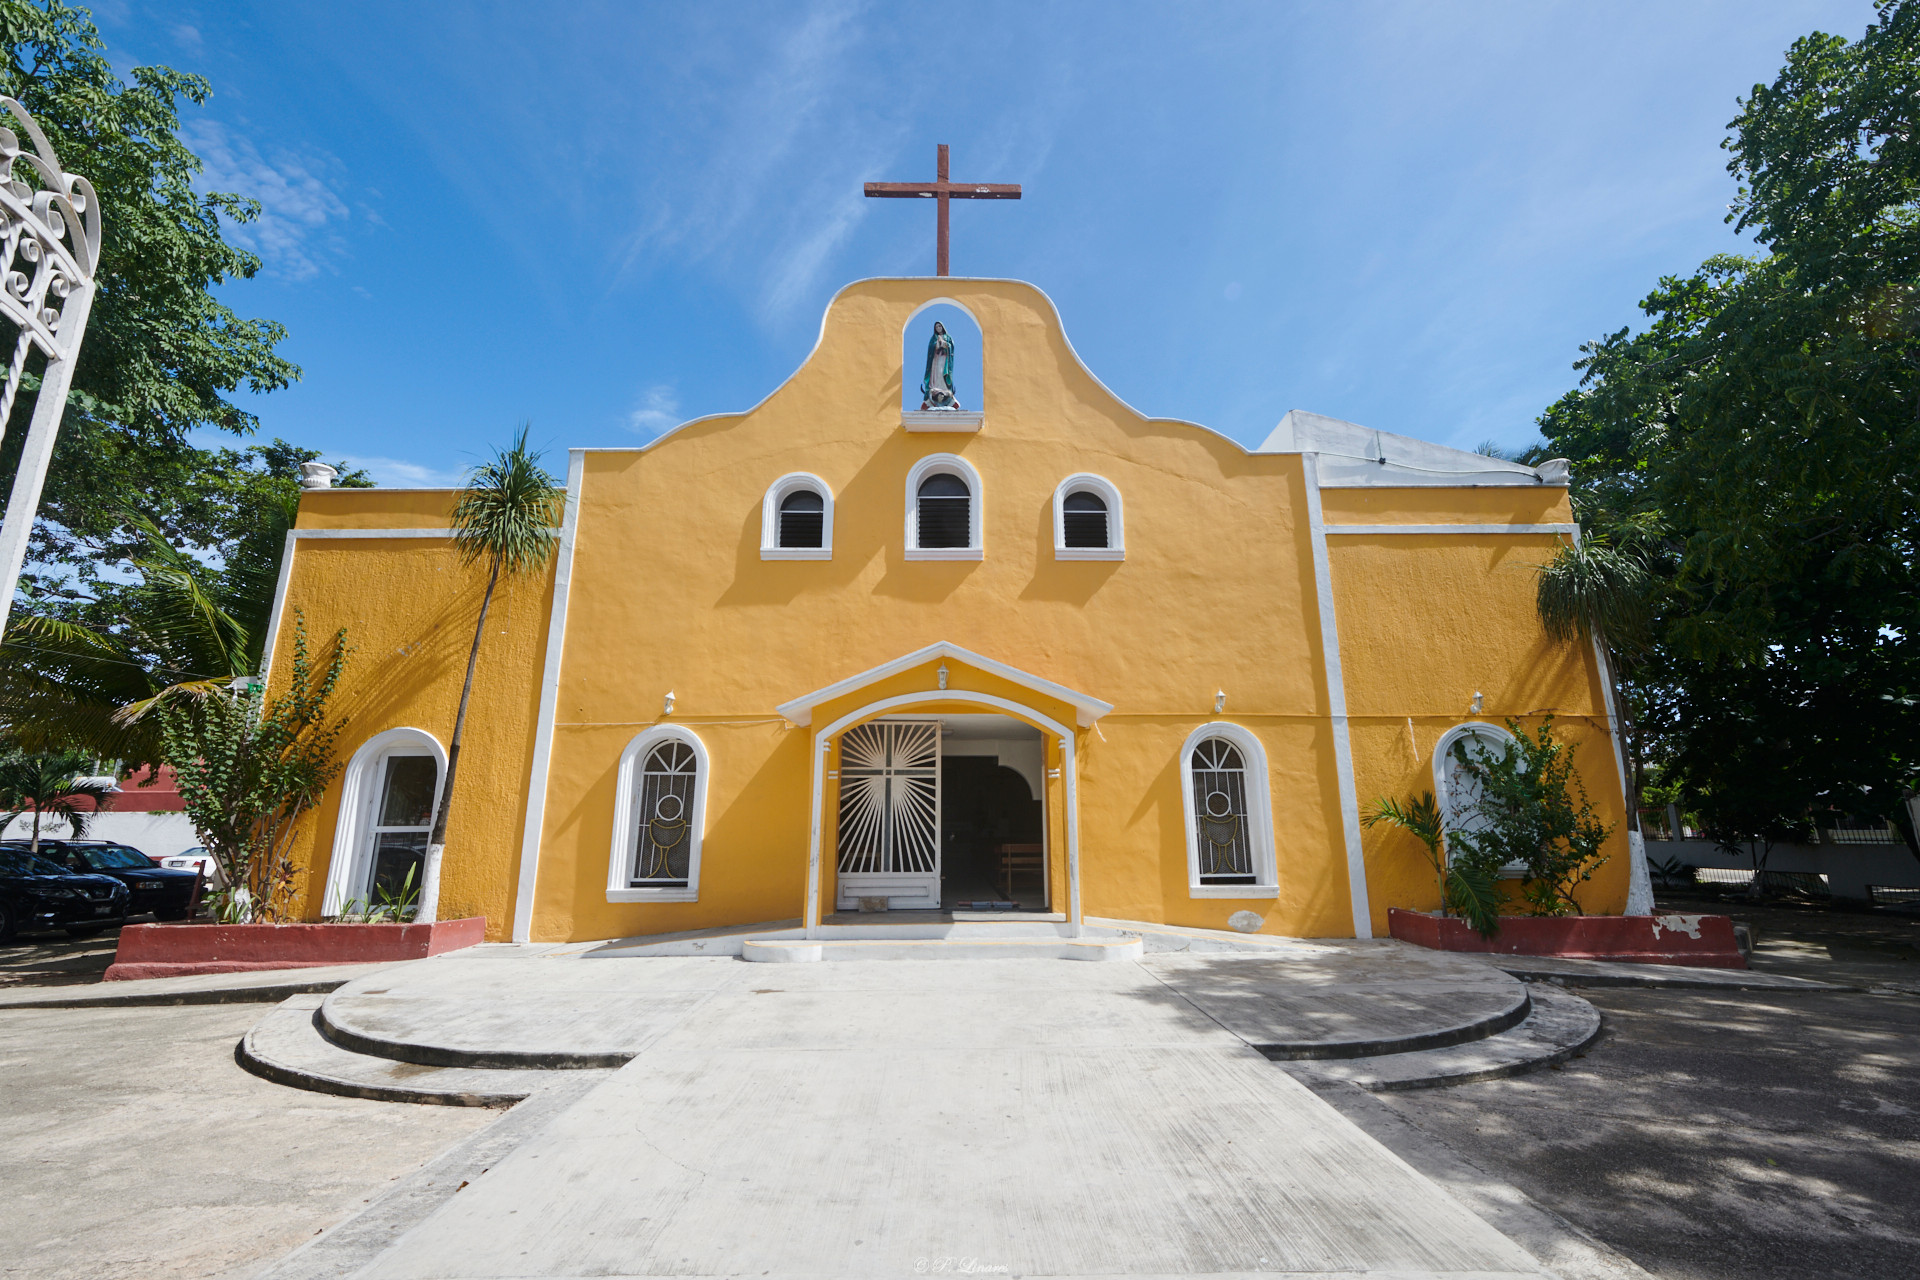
942	190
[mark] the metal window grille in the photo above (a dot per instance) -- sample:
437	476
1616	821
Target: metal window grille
1220	813
802	519
945	512
890	797
1084	520
663	844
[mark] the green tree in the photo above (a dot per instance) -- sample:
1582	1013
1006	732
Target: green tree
503	521
1759	441
50	785
163	355
1532	809
249	769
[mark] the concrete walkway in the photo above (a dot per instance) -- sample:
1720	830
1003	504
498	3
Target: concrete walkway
998	1117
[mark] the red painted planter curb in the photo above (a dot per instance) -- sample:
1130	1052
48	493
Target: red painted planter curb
176	950
1704	942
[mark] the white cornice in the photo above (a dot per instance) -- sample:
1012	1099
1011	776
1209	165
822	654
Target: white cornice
1087	709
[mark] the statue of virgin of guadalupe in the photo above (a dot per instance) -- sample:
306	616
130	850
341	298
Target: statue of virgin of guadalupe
936	389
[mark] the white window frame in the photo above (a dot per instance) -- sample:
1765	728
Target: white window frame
949	464
625	820
1443	750
360	782
1259	813
1105	490
779	491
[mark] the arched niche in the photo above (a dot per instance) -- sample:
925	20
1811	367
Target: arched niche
968	354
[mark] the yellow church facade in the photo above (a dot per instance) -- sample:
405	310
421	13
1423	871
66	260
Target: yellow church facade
1038	658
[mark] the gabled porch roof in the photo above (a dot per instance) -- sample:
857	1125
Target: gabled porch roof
1087	709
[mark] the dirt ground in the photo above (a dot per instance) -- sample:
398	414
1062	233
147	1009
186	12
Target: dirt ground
1730	1135
136	1146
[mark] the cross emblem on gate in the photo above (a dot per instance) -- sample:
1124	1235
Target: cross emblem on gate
942	190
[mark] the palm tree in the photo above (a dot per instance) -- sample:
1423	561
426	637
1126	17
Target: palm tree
50	785
186	630
1600	593
503	519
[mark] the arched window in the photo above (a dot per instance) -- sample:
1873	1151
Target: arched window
388	793
660	814
1088	520
1456	790
943	510
1223	775
796	519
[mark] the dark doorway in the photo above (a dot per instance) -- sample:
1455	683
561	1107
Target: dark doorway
989	825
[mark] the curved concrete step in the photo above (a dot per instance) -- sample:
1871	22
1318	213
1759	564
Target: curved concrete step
335	1024
1464	1031
287	1048
1560	1025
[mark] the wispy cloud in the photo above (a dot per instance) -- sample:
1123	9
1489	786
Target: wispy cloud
659	408
398	473
188	37
295	233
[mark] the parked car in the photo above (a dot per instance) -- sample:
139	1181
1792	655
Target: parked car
167	893
38	894
200	859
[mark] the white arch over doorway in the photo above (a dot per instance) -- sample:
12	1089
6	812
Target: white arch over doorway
1069	776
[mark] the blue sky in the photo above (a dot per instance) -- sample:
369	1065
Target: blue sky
604	218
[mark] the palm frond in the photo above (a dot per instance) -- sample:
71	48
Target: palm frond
506	512
1591	589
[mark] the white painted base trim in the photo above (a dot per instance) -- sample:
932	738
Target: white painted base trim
943	419
1251	892
653	895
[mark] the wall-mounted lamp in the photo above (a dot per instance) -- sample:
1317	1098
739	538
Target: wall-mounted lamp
1220	701
941	675
666	708
1479	701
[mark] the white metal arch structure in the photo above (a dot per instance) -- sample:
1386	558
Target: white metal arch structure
1255	809
1107	492
823	739
1455	799
946	464
359	793
49	250
778	492
628	820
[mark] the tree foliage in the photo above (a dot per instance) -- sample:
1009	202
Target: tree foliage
248	770
51	785
1757	447
1468	888
1533	810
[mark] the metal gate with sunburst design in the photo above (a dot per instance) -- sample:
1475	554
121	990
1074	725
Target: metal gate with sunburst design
890	814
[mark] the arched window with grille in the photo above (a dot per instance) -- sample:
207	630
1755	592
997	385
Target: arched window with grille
1088	519
943	510
796	519
1223	775
660	812
1455	788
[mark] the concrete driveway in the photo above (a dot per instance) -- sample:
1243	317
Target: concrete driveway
983	1117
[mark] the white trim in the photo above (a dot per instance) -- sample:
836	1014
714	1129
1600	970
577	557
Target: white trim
372	533
778	492
356	799
800	710
542	762
1450	528
948	421
946	464
1337	702
1106	491
1259	813
632	758
279	608
823	739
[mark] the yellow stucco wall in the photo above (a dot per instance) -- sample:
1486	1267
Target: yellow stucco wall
669	593
409	609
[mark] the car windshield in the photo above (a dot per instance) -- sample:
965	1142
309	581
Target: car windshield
21	862
103	856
